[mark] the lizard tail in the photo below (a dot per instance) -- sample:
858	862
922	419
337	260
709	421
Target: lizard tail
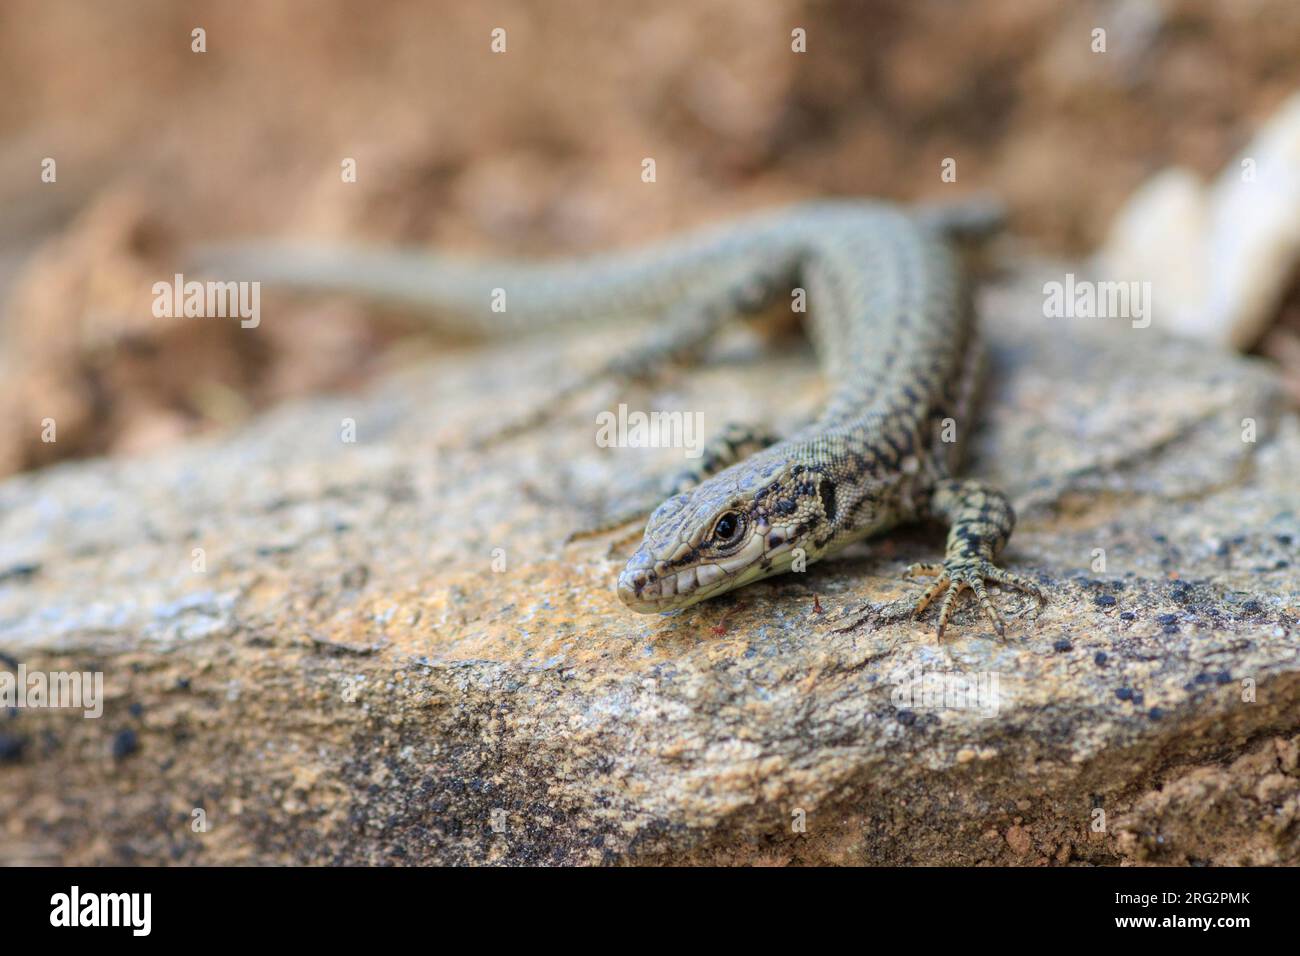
498	298
457	297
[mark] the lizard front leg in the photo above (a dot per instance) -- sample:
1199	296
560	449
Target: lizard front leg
980	521
681	338
734	443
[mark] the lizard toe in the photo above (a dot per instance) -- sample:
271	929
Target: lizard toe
973	575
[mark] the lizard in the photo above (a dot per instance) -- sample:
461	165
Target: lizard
890	316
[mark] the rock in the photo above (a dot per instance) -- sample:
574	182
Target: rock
381	651
1221	258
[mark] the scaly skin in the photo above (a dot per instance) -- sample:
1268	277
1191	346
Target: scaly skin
891	320
894	326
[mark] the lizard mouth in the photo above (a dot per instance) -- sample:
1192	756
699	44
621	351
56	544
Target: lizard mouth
649	586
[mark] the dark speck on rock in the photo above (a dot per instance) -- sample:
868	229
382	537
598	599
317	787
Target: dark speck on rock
182	683
136	709
1100	658
1284	540
1166	618
1062	645
19	572
1171	628
1105	600
11	748
355	577
1222	677
1127	616
125	743
1155	713
906	717
1201	678
1138	698
1251	607
1124	693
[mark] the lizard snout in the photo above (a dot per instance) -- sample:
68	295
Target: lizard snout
638	584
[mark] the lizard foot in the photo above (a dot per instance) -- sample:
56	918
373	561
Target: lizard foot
956	575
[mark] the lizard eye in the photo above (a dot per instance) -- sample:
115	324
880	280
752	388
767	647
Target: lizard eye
727	528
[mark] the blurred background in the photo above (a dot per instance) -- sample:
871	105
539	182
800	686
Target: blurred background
534	151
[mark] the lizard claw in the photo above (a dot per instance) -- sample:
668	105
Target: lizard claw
957	575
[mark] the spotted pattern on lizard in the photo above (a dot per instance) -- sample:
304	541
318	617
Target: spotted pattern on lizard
890	316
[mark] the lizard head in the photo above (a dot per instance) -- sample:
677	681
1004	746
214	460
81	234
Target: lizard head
749	522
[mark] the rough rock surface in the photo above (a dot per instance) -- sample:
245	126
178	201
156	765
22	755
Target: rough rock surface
351	672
